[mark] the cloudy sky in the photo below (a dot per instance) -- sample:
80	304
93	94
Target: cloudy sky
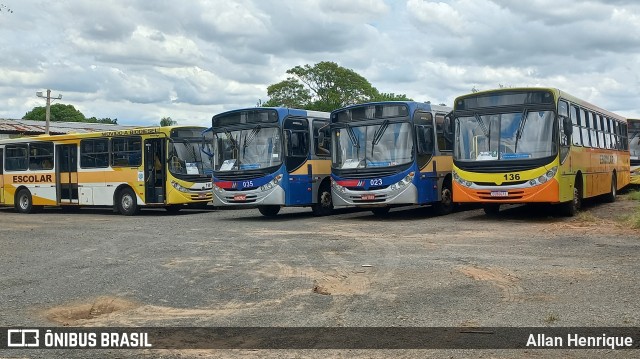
141	60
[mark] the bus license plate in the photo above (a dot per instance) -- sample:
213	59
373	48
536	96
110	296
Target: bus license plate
499	194
202	195
240	197
368	197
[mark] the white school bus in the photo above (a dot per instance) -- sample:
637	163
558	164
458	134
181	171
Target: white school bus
126	169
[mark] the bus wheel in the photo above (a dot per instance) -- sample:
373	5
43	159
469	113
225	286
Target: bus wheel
325	203
569	209
24	202
380	211
445	206
269	211
173	208
611	196
491	209
127	202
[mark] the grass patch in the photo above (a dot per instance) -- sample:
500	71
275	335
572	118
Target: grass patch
634	219
586	216
634	195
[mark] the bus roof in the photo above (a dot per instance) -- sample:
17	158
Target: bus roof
282	112
427	106
558	94
105	133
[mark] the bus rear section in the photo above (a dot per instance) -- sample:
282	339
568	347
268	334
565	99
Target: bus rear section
536	145
271	158
389	154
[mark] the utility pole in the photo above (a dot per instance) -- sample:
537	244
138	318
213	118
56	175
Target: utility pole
48	108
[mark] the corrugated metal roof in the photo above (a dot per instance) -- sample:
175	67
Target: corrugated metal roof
29	127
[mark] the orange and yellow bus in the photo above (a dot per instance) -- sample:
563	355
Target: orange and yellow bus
527	145
634	149
126	169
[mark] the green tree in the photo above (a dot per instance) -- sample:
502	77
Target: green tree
167	121
324	86
102	120
58	112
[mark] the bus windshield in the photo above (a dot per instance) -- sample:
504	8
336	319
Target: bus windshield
634	142
380	145
505	136
185	157
248	149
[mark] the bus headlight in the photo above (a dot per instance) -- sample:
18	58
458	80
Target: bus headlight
338	187
403	182
545	177
177	186
461	181
273	183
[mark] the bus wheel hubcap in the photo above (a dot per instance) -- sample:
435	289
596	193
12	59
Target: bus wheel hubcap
24	202
126	202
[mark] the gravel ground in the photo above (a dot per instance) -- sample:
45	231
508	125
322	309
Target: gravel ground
237	268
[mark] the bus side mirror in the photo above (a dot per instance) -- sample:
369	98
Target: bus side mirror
424	137
567	126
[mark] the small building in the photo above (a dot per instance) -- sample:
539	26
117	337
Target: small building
10	128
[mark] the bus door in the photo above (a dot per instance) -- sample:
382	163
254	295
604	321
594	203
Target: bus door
297	137
67	174
155	170
1	176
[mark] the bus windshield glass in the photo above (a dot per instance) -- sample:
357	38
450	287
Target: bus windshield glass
634	141
186	157
505	136
247	149
380	145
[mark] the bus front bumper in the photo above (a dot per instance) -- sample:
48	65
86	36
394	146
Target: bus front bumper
547	192
344	197
251	198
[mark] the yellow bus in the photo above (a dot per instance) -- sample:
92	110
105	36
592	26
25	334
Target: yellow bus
634	149
527	145
126	169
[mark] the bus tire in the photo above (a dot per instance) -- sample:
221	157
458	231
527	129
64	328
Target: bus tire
380	211
127	202
269	211
24	202
570	208
324	207
611	196
445	205
491	209
173	208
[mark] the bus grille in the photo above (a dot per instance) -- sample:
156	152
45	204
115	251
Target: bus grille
515	183
486	195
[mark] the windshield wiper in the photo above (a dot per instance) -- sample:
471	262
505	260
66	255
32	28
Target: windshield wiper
377	136
234	147
482	126
352	137
251	136
230	138
525	116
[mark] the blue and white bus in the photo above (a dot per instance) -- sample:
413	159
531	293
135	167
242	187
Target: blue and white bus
389	154
270	158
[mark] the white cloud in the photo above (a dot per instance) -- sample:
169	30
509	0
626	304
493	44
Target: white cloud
138	61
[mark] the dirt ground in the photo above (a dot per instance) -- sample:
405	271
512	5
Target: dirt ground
524	268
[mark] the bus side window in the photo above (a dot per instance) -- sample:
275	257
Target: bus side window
443	124
17	157
41	156
321	137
